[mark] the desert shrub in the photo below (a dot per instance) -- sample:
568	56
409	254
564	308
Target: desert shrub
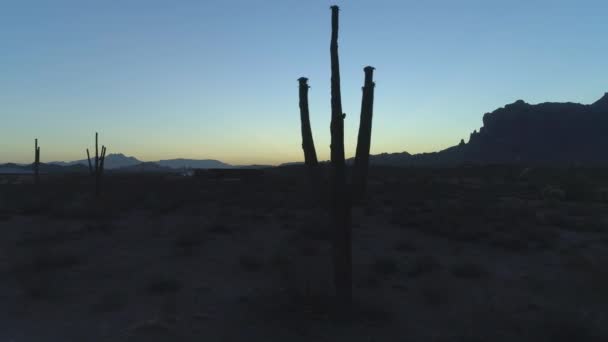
601	194
220	229
385	266
34	206
405	246
302	276
188	240
509	242
368	281
112	301
42	262
39	275
469	270
543	237
312	232
553	193
161	285
434	295
564	325
578	189
50	237
423	265
250	263
152	330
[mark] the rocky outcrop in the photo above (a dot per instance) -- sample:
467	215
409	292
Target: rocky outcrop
546	133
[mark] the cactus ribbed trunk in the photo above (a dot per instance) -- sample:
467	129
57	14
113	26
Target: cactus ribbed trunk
340	199
90	166
36	162
98	169
341	195
365	135
308	145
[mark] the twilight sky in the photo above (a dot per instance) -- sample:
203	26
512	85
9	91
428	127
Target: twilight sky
218	79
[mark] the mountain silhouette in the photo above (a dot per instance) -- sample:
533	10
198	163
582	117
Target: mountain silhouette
545	133
112	161
120	161
193	163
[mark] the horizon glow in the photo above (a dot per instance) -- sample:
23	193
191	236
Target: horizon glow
161	79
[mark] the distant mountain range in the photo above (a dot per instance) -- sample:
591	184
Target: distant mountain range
119	160
545	133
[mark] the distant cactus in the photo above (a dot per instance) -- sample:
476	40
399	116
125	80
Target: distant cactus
341	199
365	134
308	145
36	162
97	171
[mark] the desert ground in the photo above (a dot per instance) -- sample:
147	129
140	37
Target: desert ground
490	253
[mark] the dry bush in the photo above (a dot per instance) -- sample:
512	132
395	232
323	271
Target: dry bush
40	273
250	263
405	246
423	265
188	239
469	270
385	266
162	285
110	302
302	275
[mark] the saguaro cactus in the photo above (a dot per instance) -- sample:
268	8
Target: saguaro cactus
341	200
365	134
36	162
308	145
97	172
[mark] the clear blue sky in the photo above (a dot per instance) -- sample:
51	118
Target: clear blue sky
218	79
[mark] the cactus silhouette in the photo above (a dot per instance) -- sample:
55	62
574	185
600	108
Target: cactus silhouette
341	194
308	145
97	171
365	134
36	162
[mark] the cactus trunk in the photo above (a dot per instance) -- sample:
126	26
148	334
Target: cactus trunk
341	195
340	199
308	145
98	169
365	135
36	162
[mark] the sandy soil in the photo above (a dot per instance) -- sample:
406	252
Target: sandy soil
437	257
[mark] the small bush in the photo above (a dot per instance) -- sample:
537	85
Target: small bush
188	240
552	193
162	285
510	243
220	229
50	262
405	246
558	326
113	301
469	270
385	266
423	265
433	295
250	263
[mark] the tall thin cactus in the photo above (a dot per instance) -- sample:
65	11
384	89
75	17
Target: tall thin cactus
341	200
365	134
98	169
308	145
36	162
